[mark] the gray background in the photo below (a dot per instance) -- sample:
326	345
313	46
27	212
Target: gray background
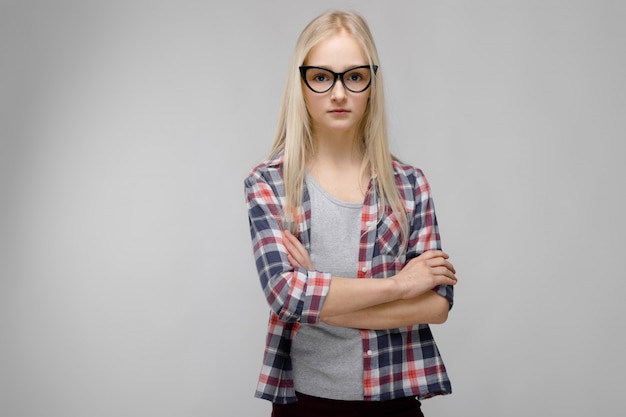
127	282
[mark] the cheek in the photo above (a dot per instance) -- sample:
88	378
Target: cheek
312	104
309	101
364	104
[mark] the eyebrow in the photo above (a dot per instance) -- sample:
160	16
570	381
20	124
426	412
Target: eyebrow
344	69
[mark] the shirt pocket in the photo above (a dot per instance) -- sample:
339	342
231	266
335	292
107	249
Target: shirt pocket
389	238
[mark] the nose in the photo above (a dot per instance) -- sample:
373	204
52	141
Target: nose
338	92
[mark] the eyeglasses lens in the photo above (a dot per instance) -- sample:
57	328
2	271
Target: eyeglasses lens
355	80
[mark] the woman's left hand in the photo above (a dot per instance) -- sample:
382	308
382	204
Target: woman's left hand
296	253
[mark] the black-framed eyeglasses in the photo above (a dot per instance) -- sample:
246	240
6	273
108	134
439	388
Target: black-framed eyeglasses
321	80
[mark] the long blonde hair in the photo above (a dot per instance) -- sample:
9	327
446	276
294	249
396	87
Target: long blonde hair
294	133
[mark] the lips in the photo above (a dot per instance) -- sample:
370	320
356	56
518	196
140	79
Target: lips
339	111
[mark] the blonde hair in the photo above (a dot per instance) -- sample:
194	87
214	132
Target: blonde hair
294	133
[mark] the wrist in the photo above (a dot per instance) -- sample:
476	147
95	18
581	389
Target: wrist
398	288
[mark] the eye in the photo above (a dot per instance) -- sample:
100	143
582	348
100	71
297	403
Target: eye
320	77
355	76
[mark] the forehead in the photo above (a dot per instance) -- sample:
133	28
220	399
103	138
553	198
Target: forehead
337	52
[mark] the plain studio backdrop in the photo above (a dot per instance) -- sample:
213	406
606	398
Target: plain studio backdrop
127	283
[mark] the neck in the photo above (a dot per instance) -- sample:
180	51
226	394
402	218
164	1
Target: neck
337	147
334	160
337	166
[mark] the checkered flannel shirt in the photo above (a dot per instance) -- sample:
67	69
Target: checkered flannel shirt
397	362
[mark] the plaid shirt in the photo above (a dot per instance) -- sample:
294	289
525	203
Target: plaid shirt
396	362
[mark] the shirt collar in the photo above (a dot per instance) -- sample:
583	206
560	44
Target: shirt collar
277	159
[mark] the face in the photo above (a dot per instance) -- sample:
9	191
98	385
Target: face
337	110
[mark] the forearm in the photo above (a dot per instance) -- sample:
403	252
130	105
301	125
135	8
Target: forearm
428	308
352	302
349	295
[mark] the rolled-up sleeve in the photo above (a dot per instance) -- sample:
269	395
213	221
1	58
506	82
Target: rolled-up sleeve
424	229
293	294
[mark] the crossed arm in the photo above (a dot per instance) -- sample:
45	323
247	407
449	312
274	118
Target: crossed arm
402	300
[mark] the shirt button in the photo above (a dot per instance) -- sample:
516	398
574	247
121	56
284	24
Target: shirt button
364	269
369	353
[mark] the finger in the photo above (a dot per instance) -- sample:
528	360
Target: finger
443	271
287	242
441	280
449	281
292	261
297	251
434	253
293	253
299	258
449	266
291	242
289	237
299	247
440	261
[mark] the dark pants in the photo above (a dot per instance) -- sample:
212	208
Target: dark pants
308	406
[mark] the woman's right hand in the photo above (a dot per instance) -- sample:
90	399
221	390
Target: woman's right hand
424	273
296	253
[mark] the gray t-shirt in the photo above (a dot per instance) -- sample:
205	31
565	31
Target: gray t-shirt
327	360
